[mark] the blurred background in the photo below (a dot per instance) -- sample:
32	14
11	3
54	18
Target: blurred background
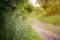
15	18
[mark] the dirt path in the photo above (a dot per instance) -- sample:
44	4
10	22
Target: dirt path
45	34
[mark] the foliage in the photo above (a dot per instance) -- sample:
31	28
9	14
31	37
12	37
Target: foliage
13	25
50	6
29	8
49	11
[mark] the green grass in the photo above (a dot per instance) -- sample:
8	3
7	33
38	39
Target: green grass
40	14
35	36
55	19
26	33
17	29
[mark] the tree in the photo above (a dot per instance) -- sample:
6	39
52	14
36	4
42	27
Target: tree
50	6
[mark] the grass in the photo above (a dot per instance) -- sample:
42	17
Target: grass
40	14
55	19
26	33
18	29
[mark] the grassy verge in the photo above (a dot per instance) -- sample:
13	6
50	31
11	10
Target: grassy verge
55	20
35	36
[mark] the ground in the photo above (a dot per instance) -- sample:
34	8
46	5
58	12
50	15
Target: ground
45	34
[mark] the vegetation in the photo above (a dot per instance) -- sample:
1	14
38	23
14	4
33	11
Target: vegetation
13	21
52	19
53	14
14	14
49	12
